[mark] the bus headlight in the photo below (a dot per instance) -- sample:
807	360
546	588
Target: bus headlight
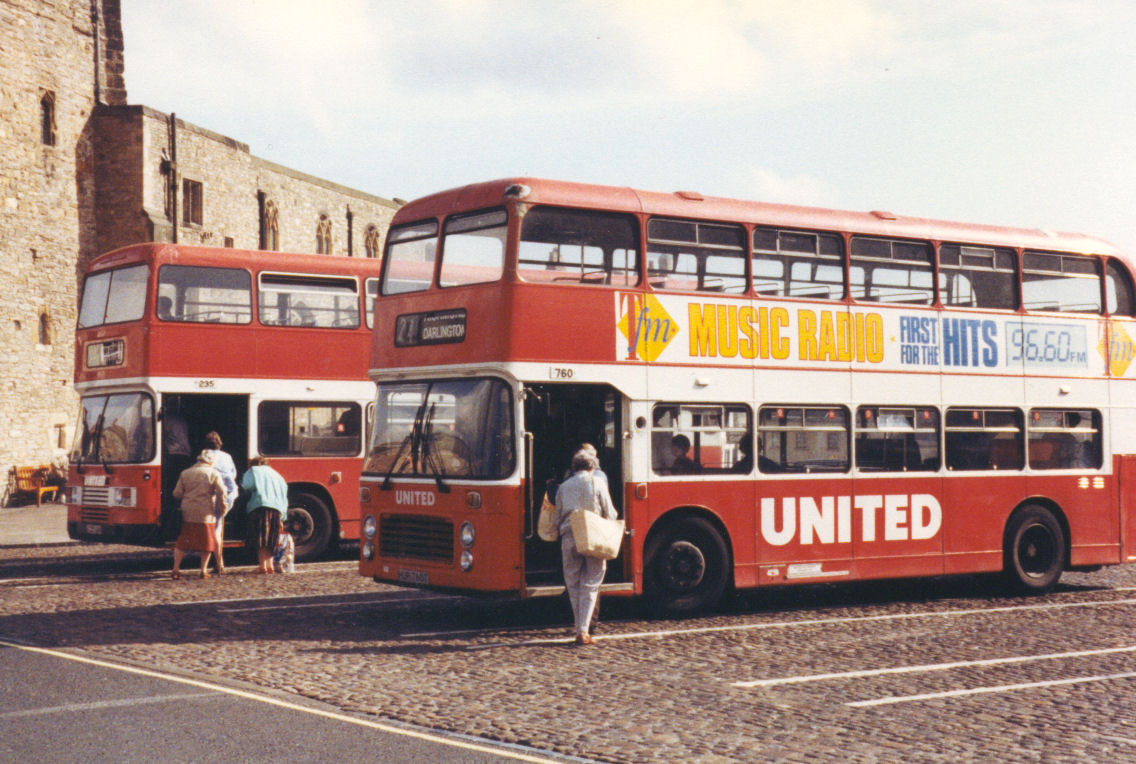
121	497
370	527
466	560
73	494
369	551
466	534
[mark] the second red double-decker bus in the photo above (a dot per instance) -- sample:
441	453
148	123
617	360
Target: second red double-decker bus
778	394
266	348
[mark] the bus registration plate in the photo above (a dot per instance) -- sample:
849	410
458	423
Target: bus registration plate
413	576
92	529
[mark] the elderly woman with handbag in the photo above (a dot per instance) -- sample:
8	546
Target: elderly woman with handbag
583	574
199	488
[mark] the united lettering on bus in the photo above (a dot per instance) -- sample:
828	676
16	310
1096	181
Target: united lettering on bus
830	519
415	498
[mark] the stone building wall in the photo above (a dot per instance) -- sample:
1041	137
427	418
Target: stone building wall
47	51
236	187
97	178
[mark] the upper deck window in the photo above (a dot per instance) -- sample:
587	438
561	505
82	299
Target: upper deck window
1119	297
890	270
310	301
579	246
1060	282
473	248
409	262
371	293
977	277
208	295
113	296
704	257
798	264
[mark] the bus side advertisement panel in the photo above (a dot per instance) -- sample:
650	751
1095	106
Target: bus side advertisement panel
714	330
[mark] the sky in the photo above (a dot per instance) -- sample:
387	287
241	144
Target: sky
1009	112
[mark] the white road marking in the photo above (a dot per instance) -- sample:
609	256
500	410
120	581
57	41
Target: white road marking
985	690
70	707
505	751
926	668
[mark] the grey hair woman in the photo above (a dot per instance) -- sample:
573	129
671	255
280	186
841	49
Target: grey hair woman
582	575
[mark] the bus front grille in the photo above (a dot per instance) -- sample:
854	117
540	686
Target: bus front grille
94	515
418	537
96	496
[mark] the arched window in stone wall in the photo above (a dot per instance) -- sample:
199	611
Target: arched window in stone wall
323	235
271	225
371	241
46	333
47	118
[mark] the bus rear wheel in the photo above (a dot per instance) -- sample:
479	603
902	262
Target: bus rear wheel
1034	551
687	569
310	521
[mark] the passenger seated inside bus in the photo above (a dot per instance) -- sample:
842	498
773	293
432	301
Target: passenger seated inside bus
744	464
681	464
165	308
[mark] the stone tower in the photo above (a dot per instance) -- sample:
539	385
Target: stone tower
82	172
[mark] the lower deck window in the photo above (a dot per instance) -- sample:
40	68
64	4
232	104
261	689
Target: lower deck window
984	439
897	439
803	439
699	438
1064	439
302	428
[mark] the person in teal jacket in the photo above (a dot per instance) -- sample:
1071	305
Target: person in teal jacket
267	506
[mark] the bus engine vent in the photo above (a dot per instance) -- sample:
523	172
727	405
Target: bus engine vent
419	537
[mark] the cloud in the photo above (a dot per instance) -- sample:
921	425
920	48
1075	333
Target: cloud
801	189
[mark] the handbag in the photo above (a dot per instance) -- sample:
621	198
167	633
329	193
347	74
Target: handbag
595	535
546	526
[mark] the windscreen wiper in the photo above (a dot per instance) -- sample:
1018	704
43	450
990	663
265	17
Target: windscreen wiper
430	460
413	439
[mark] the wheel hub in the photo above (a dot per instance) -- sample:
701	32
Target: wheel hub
684	566
1036	550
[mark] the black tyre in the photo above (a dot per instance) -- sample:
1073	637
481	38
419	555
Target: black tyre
687	568
310	520
1035	550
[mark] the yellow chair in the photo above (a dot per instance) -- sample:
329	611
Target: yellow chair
32	481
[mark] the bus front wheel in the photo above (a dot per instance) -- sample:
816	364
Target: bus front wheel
310	521
687	568
1035	550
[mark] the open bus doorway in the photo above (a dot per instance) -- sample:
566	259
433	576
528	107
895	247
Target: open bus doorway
186	418
559	418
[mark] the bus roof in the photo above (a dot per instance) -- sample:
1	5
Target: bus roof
693	205
160	252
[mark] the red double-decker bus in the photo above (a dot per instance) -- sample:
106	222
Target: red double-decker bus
859	395
267	349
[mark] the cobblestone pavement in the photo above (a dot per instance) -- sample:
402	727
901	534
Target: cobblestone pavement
985	667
